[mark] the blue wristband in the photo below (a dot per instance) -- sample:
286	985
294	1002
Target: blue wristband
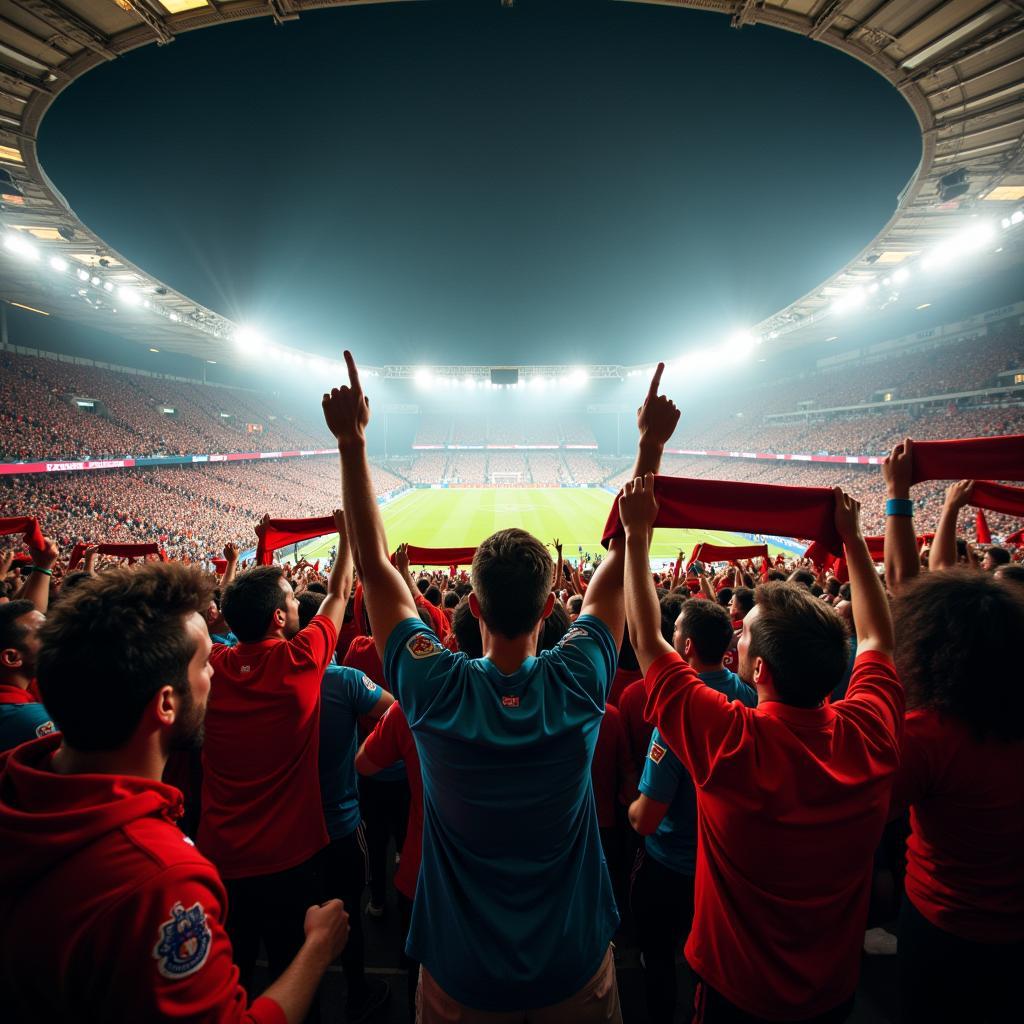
899	507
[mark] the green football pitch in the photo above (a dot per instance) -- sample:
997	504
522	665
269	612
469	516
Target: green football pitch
464	517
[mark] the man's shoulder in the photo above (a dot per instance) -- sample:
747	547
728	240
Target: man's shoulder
166	846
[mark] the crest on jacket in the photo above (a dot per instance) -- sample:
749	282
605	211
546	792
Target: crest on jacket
184	942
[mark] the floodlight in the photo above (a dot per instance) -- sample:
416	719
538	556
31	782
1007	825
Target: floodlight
423	377
1016	217
129	295
83	275
249	338
470	381
900	274
849	301
21	247
95	282
59	264
108	286
174	317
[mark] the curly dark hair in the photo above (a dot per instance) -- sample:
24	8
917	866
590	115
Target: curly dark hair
109	646
955	631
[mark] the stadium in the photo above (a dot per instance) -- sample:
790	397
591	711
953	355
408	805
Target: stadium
149	425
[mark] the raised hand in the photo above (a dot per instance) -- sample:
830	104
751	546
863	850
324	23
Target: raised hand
6	560
49	554
847	515
231	552
959	494
898	469
658	416
347	409
638	508
402	559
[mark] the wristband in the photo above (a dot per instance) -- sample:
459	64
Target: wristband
39	568
899	507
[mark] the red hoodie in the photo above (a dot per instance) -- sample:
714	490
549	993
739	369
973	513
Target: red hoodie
107	911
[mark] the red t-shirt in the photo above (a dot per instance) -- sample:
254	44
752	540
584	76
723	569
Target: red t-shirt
965	854
611	765
638	729
362	655
391	741
348	632
623	677
441	624
791	805
261	784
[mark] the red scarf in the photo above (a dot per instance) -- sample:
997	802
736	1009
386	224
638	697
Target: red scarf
981	528
743	508
118	551
1016	538
998	498
991	458
440	556
277	533
724	553
28	526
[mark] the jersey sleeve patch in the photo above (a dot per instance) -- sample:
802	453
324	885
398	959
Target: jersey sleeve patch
184	942
422	645
369	684
657	753
574	633
45	729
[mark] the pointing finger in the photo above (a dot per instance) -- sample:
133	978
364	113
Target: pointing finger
353	373
656	381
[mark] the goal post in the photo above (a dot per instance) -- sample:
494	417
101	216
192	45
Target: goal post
507	479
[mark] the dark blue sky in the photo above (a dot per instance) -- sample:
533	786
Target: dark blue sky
447	181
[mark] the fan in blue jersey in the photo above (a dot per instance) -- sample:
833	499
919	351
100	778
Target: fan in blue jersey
514	908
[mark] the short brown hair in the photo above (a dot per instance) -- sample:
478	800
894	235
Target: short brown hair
801	639
511	573
956	632
112	643
709	627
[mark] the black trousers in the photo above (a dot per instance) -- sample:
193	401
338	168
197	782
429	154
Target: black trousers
662	904
385	810
272	909
946	978
711	1007
345	872
412	967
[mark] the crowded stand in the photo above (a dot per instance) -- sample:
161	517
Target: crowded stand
546	469
543	741
129	414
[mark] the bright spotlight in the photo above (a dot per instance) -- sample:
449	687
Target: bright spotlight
249	338
576	377
59	264
129	296
849	301
900	275
83	275
1016	217
108	286
423	377
470	381
21	247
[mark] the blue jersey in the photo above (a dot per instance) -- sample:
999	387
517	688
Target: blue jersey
21	721
674	844
345	694
514	907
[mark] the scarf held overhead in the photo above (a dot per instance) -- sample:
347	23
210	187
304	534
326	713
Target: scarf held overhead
743	508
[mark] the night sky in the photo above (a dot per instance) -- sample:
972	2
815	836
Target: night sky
446	181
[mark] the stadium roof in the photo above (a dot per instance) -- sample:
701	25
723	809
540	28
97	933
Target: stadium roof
958	63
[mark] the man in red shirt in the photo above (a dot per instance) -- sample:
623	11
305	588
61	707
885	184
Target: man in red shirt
262	823
108	911
792	795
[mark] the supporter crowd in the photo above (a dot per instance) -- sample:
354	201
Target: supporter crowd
755	761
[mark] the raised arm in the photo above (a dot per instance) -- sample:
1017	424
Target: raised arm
637	511
656	420
902	562
943	553
339	583
558	564
871	614
37	587
231	566
388	601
